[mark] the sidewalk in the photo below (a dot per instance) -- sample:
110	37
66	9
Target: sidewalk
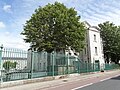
71	78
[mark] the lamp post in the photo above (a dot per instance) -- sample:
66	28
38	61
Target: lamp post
1	47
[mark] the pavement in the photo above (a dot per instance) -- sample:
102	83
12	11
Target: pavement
66	83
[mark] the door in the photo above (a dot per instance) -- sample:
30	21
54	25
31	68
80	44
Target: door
97	65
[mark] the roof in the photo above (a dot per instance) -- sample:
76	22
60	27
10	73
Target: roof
89	26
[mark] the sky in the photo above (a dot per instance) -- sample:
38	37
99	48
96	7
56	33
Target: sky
14	13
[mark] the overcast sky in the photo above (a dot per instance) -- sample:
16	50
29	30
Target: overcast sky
14	13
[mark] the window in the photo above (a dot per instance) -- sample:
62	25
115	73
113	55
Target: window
94	37
96	50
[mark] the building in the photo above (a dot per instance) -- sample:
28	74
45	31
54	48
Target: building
93	52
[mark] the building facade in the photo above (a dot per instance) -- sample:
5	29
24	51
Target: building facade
93	52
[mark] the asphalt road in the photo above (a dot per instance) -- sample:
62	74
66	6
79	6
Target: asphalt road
111	84
103	82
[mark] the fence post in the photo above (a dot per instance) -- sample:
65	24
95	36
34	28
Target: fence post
78	67
87	66
68	63
31	71
1	47
53	64
94	67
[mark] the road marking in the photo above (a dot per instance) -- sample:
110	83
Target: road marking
92	83
105	79
110	78
62	84
82	86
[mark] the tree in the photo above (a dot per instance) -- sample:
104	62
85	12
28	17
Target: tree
54	27
9	65
111	41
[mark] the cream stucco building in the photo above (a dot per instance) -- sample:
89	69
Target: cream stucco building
93	52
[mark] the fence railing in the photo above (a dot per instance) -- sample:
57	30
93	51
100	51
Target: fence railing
18	64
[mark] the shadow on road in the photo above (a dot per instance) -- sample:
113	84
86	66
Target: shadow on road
116	78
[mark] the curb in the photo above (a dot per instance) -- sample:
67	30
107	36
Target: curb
27	81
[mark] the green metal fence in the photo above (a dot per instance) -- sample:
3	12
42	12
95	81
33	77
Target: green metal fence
17	64
111	66
13	64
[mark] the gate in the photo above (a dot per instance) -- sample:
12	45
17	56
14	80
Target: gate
13	64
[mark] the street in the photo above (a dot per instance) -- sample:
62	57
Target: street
111	84
105	82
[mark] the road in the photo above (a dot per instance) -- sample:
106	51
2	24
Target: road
105	82
111	84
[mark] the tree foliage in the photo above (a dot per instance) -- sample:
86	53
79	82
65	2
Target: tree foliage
9	65
110	34
54	27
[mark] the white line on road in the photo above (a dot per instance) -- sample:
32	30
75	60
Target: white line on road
82	86
92	83
105	79
109	78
